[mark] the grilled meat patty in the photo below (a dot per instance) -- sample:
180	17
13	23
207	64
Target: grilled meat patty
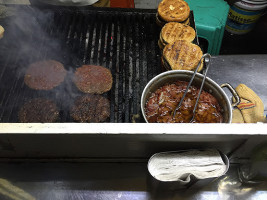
38	110
45	75
93	79
90	108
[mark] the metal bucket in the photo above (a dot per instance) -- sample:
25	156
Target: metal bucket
243	16
184	75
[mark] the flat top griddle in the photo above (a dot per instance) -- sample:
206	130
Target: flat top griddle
123	40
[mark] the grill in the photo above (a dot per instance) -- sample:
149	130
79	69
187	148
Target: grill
123	40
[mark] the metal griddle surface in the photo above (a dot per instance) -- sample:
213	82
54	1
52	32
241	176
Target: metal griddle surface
123	40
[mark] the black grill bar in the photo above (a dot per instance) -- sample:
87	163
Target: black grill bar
82	48
5	92
126	74
7	108
142	43
120	68
123	40
108	60
96	41
103	43
76	35
114	91
90	37
134	69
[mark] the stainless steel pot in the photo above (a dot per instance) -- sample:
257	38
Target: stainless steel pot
184	75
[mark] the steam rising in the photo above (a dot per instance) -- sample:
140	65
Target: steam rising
33	35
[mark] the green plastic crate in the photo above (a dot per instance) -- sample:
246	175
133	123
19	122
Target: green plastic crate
210	19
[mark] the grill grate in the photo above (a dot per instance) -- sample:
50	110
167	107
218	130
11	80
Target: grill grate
123	40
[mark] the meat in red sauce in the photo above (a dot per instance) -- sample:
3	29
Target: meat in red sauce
161	104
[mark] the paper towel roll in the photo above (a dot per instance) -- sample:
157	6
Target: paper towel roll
180	165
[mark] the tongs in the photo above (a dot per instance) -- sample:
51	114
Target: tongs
206	57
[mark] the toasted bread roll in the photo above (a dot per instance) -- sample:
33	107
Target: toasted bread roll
173	10
2	30
175	31
183	55
165	64
161	45
186	22
161	22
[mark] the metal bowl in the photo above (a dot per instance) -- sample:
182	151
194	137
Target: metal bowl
184	75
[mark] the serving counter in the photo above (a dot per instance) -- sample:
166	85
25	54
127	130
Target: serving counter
70	160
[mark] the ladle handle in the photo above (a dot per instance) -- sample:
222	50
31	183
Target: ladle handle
189	84
206	58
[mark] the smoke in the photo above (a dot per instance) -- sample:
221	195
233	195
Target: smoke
34	35
28	35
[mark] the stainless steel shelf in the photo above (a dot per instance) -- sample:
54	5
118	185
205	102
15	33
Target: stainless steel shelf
129	181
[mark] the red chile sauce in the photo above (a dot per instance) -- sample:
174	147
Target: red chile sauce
161	104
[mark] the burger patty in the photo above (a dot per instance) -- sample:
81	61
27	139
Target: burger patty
90	108
93	79
38	110
45	75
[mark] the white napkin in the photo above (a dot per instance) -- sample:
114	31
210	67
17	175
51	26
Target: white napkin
179	166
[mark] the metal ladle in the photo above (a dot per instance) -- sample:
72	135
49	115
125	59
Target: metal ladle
207	58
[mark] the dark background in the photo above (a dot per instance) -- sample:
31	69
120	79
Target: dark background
254	42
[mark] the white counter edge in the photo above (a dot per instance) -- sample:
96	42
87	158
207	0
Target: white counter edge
132	128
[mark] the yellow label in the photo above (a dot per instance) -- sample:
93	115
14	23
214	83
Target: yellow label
242	19
236	30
